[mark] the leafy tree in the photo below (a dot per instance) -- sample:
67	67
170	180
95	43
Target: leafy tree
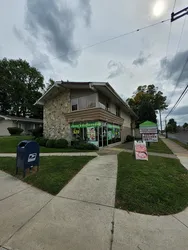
185	125
147	94
146	112
20	87
49	84
172	126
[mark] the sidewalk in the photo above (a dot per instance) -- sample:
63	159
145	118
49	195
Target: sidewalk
79	218
180	152
110	151
55	154
82	216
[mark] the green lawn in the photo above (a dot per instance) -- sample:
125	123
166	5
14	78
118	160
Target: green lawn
179	143
158	186
159	147
8	144
54	172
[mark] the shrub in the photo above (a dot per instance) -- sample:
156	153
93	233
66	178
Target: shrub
37	132
38	140
129	138
15	130
85	146
61	143
50	143
42	141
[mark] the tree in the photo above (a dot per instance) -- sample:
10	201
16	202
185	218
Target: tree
172	126
20	87
146	112
185	125
49	84
148	94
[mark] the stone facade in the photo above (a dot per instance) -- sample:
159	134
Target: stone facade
55	124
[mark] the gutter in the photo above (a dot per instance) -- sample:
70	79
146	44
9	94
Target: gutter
56	84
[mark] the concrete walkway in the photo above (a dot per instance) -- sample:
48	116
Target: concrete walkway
55	154
79	218
110	151
82	216
179	151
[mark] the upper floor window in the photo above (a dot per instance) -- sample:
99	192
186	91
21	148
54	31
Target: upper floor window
117	111
83	102
74	103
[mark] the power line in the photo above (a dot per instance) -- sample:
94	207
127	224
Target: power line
183	93
178	44
169	35
179	100
174	5
111	39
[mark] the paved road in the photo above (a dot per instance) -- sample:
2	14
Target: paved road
181	136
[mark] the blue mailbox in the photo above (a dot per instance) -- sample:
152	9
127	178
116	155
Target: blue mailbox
27	155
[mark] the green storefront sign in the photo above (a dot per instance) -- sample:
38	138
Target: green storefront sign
86	125
93	124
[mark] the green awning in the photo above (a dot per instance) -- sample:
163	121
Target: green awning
147	124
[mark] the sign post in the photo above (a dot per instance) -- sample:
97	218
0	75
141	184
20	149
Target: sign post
148	130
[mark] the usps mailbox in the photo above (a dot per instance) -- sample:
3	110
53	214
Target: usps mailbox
27	155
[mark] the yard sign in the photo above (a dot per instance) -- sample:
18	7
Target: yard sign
140	150
148	130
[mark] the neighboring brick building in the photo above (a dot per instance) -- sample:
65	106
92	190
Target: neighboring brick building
92	111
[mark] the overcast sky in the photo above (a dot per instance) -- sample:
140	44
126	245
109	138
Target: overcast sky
50	34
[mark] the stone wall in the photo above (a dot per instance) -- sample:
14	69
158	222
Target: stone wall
55	124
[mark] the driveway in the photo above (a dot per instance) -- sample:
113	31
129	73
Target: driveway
82	216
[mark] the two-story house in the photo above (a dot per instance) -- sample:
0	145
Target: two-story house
91	111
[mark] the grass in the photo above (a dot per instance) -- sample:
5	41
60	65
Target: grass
8	144
54	172
179	143
157	187
157	147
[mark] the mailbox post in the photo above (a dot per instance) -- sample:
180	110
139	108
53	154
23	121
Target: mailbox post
27	155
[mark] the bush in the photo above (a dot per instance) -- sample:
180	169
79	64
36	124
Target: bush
85	146
15	130
61	143
37	132
42	141
50	143
38	140
129	138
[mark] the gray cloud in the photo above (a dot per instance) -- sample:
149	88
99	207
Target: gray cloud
116	69
171	68
183	110
53	25
45	19
141	59
85	6
41	61
18	33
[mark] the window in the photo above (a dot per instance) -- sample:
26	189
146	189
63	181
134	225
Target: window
74	103
91	101
117	111
83	102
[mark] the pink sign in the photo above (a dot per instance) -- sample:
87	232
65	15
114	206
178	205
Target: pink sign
140	150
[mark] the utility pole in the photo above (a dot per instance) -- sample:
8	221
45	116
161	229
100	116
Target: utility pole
179	14
160	120
166	129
